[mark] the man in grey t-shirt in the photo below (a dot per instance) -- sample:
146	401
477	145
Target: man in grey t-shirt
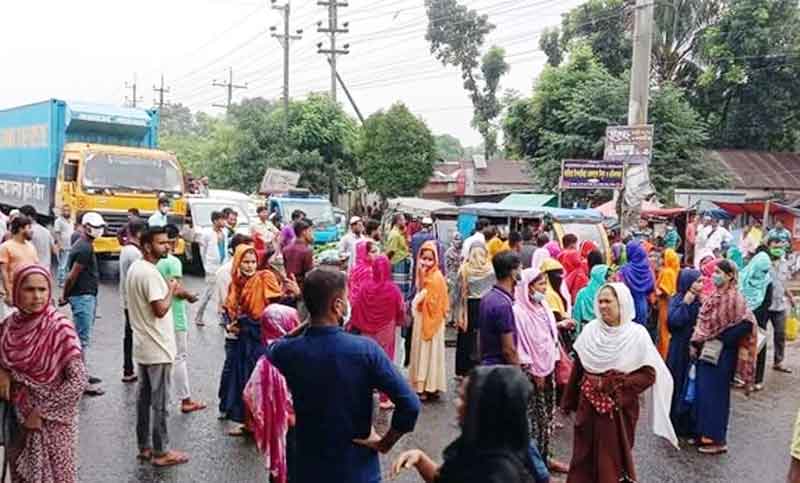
42	239
129	254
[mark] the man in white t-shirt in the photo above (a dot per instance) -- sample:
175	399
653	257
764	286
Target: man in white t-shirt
154	349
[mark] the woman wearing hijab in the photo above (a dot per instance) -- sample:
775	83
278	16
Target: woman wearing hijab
267	400
576	272
362	269
494	445
426	371
734	254
475	279
378	309
558	299
583	311
42	376
553	248
637	275
707	265
754	284
616	362
725	321
665	288
684	307
250	292
594	259
538	351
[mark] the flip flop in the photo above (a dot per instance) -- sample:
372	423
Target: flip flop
782	369
193	406
170	458
239	432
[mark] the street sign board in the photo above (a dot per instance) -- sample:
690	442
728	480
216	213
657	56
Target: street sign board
631	144
591	174
279	181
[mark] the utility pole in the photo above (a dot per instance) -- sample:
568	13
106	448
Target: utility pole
230	86
349	97
637	176
332	30
285	40
131	101
161	91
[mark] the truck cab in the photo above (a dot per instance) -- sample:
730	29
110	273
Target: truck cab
317	209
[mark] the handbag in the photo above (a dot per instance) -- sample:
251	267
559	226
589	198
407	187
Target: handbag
712	349
564	367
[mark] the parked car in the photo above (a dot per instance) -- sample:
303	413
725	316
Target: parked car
199	220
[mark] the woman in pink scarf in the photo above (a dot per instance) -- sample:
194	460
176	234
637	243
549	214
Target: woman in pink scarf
377	309
537	348
43	376
362	269
266	396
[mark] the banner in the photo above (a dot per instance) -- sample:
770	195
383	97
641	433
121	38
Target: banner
278	181
631	144
591	174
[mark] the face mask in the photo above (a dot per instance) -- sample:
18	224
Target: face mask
248	272
537	297
164	210
96	232
719	280
776	252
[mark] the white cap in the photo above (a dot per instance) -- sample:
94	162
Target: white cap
93	219
355	220
427	220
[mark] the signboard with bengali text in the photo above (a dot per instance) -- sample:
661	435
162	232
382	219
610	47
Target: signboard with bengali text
631	144
591	174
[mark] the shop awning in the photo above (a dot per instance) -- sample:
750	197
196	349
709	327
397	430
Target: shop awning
756	208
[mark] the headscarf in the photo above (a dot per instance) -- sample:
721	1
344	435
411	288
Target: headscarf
627	348
724	309
452	257
537	334
267	396
493	446
707	269
433	306
577	274
539	256
595	258
477	264
755	279
618	255
361	272
699	259
379	303
584	304
637	274
553	248
668	276
587	247
686	278
557	297
735	255
36	347
249	296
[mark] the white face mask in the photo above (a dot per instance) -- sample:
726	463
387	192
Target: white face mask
537	297
95	232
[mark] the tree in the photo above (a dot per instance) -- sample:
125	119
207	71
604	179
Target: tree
396	152
567	116
448	148
749	91
456	35
604	25
176	119
550	44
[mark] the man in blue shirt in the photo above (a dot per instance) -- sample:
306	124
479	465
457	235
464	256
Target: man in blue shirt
498	333
159	218
332	375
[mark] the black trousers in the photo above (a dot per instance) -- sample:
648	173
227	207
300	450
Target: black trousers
467	353
127	347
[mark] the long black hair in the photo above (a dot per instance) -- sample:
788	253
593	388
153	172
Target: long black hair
493	446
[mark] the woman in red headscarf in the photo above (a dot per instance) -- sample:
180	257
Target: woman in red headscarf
576	274
427	370
377	309
43	376
361	273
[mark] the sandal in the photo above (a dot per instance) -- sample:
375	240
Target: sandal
713	449
192	406
145	454
239	432
170	458
130	378
95	391
782	368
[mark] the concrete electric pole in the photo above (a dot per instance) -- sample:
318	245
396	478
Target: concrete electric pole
285	40
637	176
230	86
161	91
133	100
332	30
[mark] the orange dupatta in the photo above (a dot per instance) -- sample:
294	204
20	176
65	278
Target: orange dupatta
668	277
434	305
250	295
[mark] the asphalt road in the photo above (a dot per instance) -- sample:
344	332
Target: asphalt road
759	433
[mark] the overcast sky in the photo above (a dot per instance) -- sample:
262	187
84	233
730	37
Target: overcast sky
88	49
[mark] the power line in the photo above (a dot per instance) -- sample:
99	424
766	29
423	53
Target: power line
134	99
332	29
230	86
285	40
161	91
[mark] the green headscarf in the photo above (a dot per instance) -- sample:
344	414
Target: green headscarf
584	302
755	279
735	255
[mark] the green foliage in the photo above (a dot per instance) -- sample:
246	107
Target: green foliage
550	44
567	116
456	34
397	152
448	148
604	26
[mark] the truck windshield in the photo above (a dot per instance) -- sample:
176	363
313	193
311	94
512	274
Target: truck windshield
124	172
318	213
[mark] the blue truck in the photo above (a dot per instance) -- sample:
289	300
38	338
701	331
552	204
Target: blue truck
317	209
91	157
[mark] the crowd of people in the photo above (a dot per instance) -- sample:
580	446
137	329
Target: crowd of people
312	345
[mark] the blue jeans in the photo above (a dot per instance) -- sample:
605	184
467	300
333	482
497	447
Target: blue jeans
63	255
83	310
